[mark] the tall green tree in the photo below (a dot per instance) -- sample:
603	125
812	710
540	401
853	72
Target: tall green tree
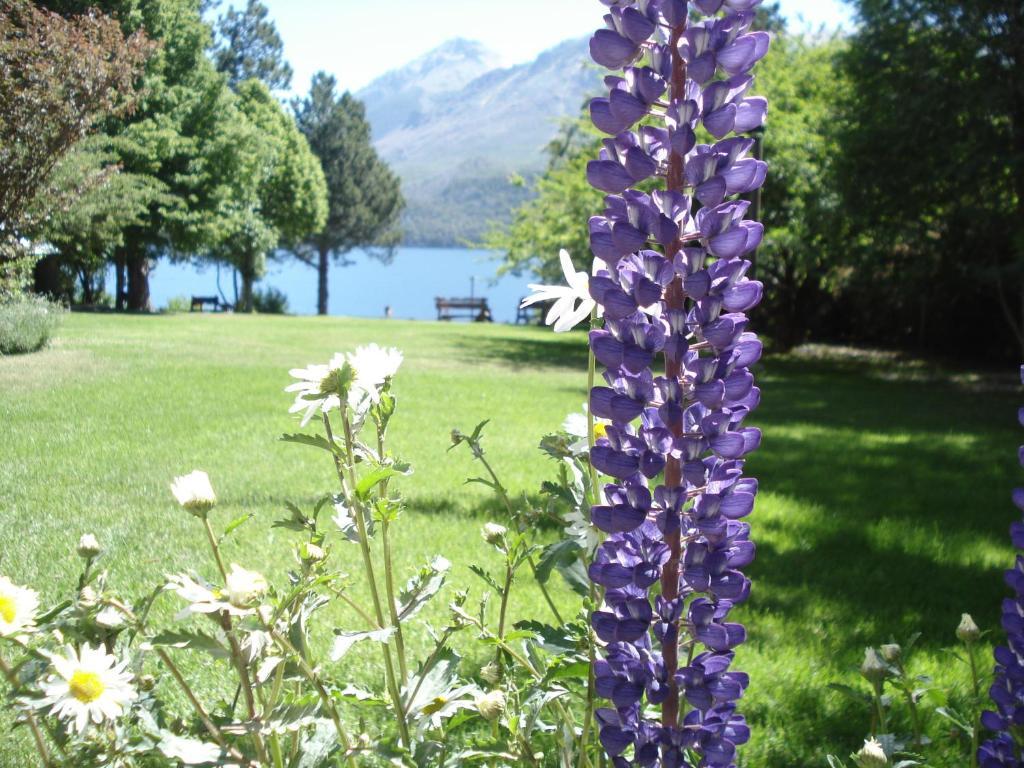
931	169
178	137
800	207
248	46
364	196
86	233
279	195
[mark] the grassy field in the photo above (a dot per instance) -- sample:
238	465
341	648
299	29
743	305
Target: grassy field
883	511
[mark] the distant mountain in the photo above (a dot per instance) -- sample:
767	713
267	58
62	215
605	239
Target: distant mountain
455	129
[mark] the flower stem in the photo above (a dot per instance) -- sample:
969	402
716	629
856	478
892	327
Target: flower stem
30	718
310	674
215	548
364	547
389	586
246	682
976	687
588	715
503	495
204	716
675	299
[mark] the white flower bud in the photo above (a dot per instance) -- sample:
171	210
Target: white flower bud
968	631
490	673
871	755
490	705
88	547
194	492
243	587
87	597
891	652
873	668
494	534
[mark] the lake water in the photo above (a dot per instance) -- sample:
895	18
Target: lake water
408	284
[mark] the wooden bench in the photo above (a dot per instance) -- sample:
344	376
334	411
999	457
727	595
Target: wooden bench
470	309
199	303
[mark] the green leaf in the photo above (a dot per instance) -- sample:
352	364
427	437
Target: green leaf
318	748
343	641
421	587
372	479
293	716
316	441
235	524
193	641
488	579
568	668
850	692
835	762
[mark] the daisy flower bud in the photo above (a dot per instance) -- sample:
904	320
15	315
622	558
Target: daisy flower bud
490	705
891	652
490	673
494	534
873	668
243	588
194	492
871	755
967	631
88	547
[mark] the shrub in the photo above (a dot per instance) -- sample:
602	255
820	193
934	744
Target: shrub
26	324
270	301
178	304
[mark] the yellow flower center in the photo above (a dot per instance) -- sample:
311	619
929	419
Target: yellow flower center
600	430
86	686
7	611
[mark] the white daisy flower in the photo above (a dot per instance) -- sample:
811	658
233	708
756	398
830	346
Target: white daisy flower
194	491
577	425
18	607
244	588
316	388
373	366
89	687
565	314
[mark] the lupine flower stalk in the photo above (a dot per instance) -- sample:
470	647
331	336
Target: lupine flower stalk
1007	691
671	282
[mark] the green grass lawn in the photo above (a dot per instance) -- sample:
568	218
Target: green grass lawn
883	511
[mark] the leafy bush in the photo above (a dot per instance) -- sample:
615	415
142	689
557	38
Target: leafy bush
270	301
26	324
178	304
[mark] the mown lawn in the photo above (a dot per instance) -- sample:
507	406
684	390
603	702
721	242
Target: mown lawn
883	510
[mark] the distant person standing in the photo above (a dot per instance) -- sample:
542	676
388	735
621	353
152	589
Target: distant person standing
388	312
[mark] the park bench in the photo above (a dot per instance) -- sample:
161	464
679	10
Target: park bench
199	303
470	309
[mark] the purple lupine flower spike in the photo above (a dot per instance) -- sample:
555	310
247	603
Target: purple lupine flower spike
1004	749
674	286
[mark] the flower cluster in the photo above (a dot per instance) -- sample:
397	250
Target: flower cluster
672	284
1007	691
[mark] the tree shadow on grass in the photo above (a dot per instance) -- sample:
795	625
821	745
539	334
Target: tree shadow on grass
549	351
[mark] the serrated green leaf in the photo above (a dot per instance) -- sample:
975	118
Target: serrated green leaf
193	641
488	579
235	524
421	587
343	641
315	441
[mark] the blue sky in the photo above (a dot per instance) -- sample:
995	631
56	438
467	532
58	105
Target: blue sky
356	40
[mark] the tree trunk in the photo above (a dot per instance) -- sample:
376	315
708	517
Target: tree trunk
245	302
138	283
119	280
322	268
